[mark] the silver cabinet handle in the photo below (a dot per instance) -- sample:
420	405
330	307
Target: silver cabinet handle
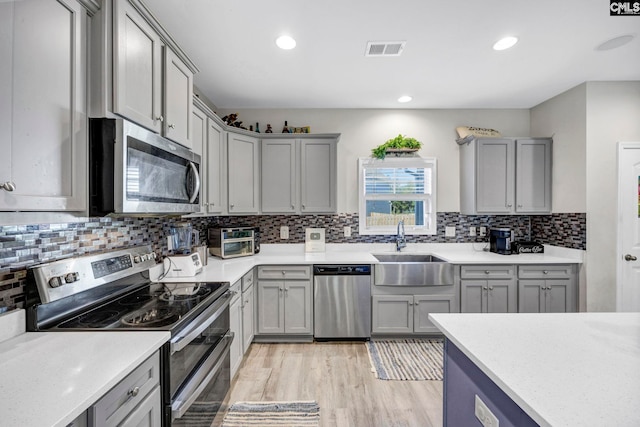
160	119
133	392
627	257
304	207
284	273
8	186
171	126
545	272
490	288
231	205
485	288
486	272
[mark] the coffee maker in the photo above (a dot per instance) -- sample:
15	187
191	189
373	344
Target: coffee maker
500	241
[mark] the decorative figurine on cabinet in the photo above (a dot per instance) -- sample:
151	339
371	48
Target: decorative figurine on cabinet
269	130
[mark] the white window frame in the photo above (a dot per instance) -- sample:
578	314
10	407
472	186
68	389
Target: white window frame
411	162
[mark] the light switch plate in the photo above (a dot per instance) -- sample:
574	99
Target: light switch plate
347	231
284	232
483	231
472	231
450	231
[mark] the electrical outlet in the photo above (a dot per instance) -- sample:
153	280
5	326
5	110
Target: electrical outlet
347	231
169	243
284	232
483	231
483	414
472	231
450	231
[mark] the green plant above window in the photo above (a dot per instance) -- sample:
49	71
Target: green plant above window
400	142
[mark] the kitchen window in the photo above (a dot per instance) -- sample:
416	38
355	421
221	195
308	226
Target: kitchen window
397	189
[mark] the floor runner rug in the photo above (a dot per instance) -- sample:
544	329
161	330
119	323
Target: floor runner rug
305	413
409	359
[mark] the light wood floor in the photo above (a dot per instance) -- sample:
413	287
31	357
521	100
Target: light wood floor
339	377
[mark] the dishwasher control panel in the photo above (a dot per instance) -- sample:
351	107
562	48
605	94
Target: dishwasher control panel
340	270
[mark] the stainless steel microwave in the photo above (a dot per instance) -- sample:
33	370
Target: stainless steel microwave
136	171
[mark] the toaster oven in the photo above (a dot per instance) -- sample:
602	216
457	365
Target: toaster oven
231	242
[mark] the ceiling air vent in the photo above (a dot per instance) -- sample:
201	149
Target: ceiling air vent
385	48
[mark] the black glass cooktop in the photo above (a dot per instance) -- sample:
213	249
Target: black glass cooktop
157	306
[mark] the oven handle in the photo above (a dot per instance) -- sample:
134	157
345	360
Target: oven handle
182	404
204	320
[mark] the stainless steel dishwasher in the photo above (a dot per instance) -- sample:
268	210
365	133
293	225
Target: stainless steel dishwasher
342	302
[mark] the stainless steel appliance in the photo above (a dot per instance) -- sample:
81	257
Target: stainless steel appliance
135	171
342	302
231	242
500	241
111	292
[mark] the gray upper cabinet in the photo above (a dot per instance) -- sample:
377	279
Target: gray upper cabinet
299	175
505	176
279	176
243	166
138	72
199	140
216	181
318	176
43	99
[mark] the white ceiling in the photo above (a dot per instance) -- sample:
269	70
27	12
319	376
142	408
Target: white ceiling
448	61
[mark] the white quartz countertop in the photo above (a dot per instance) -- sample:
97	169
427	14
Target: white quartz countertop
49	378
231	270
575	369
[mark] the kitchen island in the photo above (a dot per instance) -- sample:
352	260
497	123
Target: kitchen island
574	369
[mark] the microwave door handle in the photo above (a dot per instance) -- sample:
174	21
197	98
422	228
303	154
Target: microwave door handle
196	190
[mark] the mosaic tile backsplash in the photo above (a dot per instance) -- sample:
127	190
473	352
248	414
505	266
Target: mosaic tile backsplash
26	245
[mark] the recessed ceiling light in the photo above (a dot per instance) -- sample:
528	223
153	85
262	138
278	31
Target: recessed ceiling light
285	42
616	42
505	43
405	98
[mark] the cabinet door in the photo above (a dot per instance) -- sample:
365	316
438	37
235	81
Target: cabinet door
244	173
279	177
235	326
215	163
559	296
533	176
178	96
318	175
495	176
148	413
531	296
501	296
298	307
472	296
137	69
199	141
423	305
392	314
43	135
248	308
270	307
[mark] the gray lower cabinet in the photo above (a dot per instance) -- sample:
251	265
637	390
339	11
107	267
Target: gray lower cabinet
547	288
488	289
408	314
134	401
285	300
235	326
248	311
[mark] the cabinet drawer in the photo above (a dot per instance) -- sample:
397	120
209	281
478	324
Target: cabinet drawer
118	403
487	272
560	271
236	290
284	272
247	281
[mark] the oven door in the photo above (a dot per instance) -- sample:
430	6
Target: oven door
197	366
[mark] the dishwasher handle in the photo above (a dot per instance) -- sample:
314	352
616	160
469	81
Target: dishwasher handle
342	270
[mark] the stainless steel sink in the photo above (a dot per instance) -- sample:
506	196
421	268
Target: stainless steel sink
406	258
411	270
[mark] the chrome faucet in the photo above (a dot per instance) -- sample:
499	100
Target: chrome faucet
401	241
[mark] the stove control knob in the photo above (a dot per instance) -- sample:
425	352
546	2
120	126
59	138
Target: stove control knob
71	277
137	259
54	282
